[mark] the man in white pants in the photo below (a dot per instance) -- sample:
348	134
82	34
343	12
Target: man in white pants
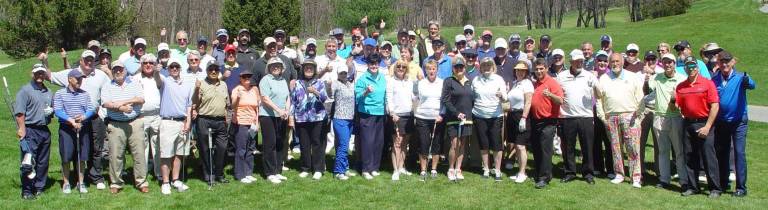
150	110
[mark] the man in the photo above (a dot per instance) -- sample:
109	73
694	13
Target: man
507	61
402	42
589	60
260	65
646	127
545	109
683	49
310	49
603	155
472	67
667	122
150	111
246	56
71	105
282	49
211	99
710	55
330	63
218	53
631	62
485	50
606	44
580	88
176	115
699	103
731	124
132	64
182	51
444	68
123	98
461	45
163	55
91	84
95	46
202	48
556	62
425	48
32	112
469	34
529	46
621	109
359	62
343	49
545	43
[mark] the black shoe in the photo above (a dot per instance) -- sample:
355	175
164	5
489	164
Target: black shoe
740	193
28	197
222	180
714	194
663	185
540	184
567	178
611	176
590	181
689	192
497	178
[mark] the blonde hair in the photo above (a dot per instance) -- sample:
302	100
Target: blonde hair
664	45
393	68
430	63
488	63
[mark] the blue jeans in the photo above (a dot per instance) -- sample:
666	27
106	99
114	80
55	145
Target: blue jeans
727	133
343	132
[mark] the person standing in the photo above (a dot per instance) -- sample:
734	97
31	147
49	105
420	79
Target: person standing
181	53
32	112
428	119
220	44
699	103
343	113
308	100
731	124
273	118
545	107
202	48
519	97
133	63
246	55
370	97
245	103
488	92
457	101
211	99
443	60
399	106
123	99
150	111
71	105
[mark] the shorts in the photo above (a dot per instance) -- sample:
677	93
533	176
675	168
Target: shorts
172	141
67	139
512	128
405	124
454	130
489	133
427	144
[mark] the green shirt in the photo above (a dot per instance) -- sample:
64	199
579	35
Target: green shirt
277	90
664	88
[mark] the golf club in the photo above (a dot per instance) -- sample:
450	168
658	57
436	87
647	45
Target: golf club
210	160
77	153
431	140
27	162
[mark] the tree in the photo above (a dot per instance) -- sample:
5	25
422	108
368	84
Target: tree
262	17
349	12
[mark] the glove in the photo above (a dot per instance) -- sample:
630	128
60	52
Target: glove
48	111
521	126
745	81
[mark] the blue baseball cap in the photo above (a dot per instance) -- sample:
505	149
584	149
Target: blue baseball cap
369	42
75	74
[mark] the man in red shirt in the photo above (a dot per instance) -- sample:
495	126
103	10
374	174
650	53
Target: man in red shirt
545	109
699	103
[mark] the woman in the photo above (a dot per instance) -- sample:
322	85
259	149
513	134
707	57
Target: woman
488	90
400	109
428	119
273	117
519	96
309	113
343	92
370	93
457	101
245	100
414	71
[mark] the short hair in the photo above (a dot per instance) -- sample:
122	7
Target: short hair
182	32
664	45
586	43
330	41
407	48
400	62
430	63
540	62
433	22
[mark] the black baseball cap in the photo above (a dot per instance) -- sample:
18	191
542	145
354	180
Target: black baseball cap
438	42
373	58
681	45
545	37
650	54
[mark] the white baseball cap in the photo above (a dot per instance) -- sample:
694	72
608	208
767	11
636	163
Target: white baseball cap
140	41
500	43
633	46
558	52
311	41
470	27
88	53
38	67
269	40
163	46
460	38
94	43
577	55
668	56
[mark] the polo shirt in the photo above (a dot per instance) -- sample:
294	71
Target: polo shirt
190	76
181	56
175	97
589	64
259	69
308	107
115	92
248	103
234	77
507	68
694	98
132	65
733	96
621	93
636	67
542	106
457	98
91	84
516	94
72	103
276	89
664	89
400	95
247	59
219	55
485	53
31	101
579	93
336	64
344	52
373	103
680	68
428	95
213	98
444	66
148	85
487	104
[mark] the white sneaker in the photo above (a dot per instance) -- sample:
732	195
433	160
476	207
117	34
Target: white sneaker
296	150
274	179
396	176
350	174
618	179
486	173
317	176
246	180
405	172
303	174
520	178
165	189
180	186
290	157
281	177
256	152
66	189
732	177
342	177
82	188
101	186
451	175
367	176
253	179
636	184
375	173
459	175
286	168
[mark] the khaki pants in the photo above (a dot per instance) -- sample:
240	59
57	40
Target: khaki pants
151	132
120	135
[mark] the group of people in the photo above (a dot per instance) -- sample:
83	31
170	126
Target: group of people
419	96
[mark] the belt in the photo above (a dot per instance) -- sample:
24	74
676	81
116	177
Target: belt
217	118
120	121
696	120
174	118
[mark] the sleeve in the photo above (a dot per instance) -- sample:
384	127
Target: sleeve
527	86
189	97
677	95
22	99
321	89
390	93
295	95
60	78
556	89
359	90
264	89
90	110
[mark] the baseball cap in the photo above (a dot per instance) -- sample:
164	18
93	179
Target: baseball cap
369	42
229	48
521	65
246	72
530	38
38	67
633	46
274	60
308	62
487	33
470	51
514	38
311	41
269	40
545	37
174	60
668	56
120	64
385	43
577	55
606	38
94	43
650	54
725	55
202	39
402	32
602	55
500	43
558	52
689	60
682	44
458	61
243	31
712	47
75	74
438	42
88	53
222	32
337	31
140	41
411	33
469	27
105	51
211	63
279	32
373	58
461	38
163	46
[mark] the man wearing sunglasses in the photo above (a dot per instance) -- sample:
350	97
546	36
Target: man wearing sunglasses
180	53
631	61
683	49
132	64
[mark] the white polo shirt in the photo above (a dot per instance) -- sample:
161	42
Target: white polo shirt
399	96
487	104
578	92
428	94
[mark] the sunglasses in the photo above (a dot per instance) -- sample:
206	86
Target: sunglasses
151	63
181	40
400	66
174	67
690	66
195	59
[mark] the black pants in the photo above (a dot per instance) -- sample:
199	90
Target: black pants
312	145
583	128
273	131
601	150
39	142
99	151
541	145
219	135
489	133
371	141
696	150
427	144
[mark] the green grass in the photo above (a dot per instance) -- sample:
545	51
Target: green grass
4	59
736	25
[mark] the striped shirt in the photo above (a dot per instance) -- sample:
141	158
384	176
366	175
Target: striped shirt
114	92
91	84
69	104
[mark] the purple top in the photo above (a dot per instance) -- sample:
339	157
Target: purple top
308	107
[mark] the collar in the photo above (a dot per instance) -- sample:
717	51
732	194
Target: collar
227	66
79	90
544	80
195	72
93	72
614	76
462	81
125	82
37	87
